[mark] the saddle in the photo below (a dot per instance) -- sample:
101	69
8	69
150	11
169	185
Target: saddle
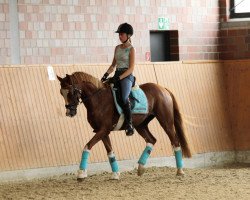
138	100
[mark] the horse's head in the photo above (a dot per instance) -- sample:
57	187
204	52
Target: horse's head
71	95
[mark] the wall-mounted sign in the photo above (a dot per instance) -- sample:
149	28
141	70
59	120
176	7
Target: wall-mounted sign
147	56
51	73
163	23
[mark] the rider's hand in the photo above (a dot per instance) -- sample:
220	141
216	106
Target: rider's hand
105	76
114	79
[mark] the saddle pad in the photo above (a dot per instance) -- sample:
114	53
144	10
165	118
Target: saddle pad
138	99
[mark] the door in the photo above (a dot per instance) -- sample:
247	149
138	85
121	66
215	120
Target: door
160	46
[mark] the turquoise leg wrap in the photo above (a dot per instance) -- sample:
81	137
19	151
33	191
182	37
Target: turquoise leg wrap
84	161
113	164
178	158
145	155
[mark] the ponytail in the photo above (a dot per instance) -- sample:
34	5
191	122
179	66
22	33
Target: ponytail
130	41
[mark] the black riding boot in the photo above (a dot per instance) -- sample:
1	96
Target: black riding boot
128	119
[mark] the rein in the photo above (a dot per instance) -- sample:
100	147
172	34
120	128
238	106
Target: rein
73	106
84	99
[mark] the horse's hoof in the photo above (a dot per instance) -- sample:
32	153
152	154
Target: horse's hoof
80	179
180	172
141	170
115	176
81	175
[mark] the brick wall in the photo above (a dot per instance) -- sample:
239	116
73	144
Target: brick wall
4	33
82	31
234	35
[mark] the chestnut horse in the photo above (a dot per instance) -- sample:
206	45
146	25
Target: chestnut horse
103	116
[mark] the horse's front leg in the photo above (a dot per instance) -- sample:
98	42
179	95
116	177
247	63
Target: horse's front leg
82	172
112	160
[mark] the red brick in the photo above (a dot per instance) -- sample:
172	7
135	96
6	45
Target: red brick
211	56
242	32
222	3
212	34
227	40
173	34
23	25
174	49
239	40
35	8
222	48
22	9
174	57
194	49
247	40
59	34
78	26
6	8
174	41
222	11
247	54
227	56
77	9
195	56
64	17
232	32
28	34
48	26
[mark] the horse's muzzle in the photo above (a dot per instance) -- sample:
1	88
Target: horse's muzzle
70	111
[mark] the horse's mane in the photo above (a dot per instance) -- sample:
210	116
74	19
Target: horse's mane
78	77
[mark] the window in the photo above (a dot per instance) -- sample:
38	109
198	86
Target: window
239	8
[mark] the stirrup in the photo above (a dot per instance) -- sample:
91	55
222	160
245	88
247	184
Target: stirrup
130	130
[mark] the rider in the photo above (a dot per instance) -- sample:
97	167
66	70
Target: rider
123	61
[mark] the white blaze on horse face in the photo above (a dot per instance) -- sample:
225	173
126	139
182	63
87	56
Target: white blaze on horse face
64	93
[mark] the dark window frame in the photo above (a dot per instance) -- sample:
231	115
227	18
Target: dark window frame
237	15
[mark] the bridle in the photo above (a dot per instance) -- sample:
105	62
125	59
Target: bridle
76	101
81	99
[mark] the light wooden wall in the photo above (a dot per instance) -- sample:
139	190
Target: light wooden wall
34	131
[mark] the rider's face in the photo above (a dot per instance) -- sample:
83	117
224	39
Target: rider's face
122	37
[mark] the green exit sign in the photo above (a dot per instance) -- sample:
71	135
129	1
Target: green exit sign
163	23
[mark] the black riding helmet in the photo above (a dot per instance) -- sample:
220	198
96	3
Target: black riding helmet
125	28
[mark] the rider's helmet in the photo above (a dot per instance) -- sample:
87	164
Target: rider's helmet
125	28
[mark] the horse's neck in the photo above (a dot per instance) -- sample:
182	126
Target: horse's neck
91	96
89	89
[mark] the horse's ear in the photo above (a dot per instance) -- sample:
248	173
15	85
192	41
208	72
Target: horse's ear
59	78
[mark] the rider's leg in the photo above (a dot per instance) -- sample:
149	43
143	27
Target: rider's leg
126	85
128	118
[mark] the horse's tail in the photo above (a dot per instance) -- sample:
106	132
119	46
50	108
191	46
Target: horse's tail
180	129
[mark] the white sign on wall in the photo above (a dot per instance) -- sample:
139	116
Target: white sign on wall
51	73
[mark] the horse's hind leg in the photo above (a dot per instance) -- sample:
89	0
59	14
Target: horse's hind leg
168	127
150	141
177	150
112	160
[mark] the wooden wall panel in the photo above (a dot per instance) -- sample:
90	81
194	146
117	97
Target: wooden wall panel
202	96
238	83
34	131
